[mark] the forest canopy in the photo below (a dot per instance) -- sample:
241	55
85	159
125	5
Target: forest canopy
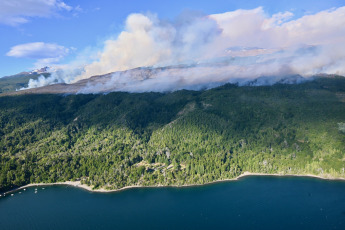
184	137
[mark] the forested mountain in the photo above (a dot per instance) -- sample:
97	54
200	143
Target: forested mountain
184	137
15	82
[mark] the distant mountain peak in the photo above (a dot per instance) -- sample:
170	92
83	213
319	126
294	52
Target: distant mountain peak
45	69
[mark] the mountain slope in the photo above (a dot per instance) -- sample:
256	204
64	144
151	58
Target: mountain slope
156	79
10	84
184	137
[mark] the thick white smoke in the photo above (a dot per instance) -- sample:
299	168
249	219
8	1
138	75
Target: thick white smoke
242	44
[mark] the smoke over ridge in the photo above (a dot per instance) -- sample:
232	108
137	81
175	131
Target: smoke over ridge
209	50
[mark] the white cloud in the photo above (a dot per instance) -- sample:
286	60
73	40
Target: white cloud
44	53
254	28
38	50
15	12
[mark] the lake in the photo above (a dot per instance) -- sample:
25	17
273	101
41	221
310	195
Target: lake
253	202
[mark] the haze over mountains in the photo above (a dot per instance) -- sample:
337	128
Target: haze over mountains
240	65
161	79
197	51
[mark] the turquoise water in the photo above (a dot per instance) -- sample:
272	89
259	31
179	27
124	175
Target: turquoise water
249	203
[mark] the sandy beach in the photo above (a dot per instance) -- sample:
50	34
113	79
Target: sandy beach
78	184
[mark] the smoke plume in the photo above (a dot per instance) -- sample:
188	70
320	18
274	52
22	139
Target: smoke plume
202	51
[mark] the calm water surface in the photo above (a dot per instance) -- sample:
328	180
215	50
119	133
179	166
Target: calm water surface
249	203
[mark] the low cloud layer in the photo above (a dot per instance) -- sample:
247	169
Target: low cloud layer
242	44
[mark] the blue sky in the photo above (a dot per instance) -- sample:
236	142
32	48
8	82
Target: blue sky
66	29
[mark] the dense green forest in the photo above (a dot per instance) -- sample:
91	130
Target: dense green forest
178	138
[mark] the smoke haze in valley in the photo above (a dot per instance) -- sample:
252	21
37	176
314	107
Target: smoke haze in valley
198	51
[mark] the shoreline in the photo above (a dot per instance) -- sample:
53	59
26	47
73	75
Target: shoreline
77	184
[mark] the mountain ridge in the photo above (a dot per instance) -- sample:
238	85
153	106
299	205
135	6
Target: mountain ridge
134	80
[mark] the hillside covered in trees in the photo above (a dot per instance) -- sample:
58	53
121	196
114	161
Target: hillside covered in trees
15	82
186	137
